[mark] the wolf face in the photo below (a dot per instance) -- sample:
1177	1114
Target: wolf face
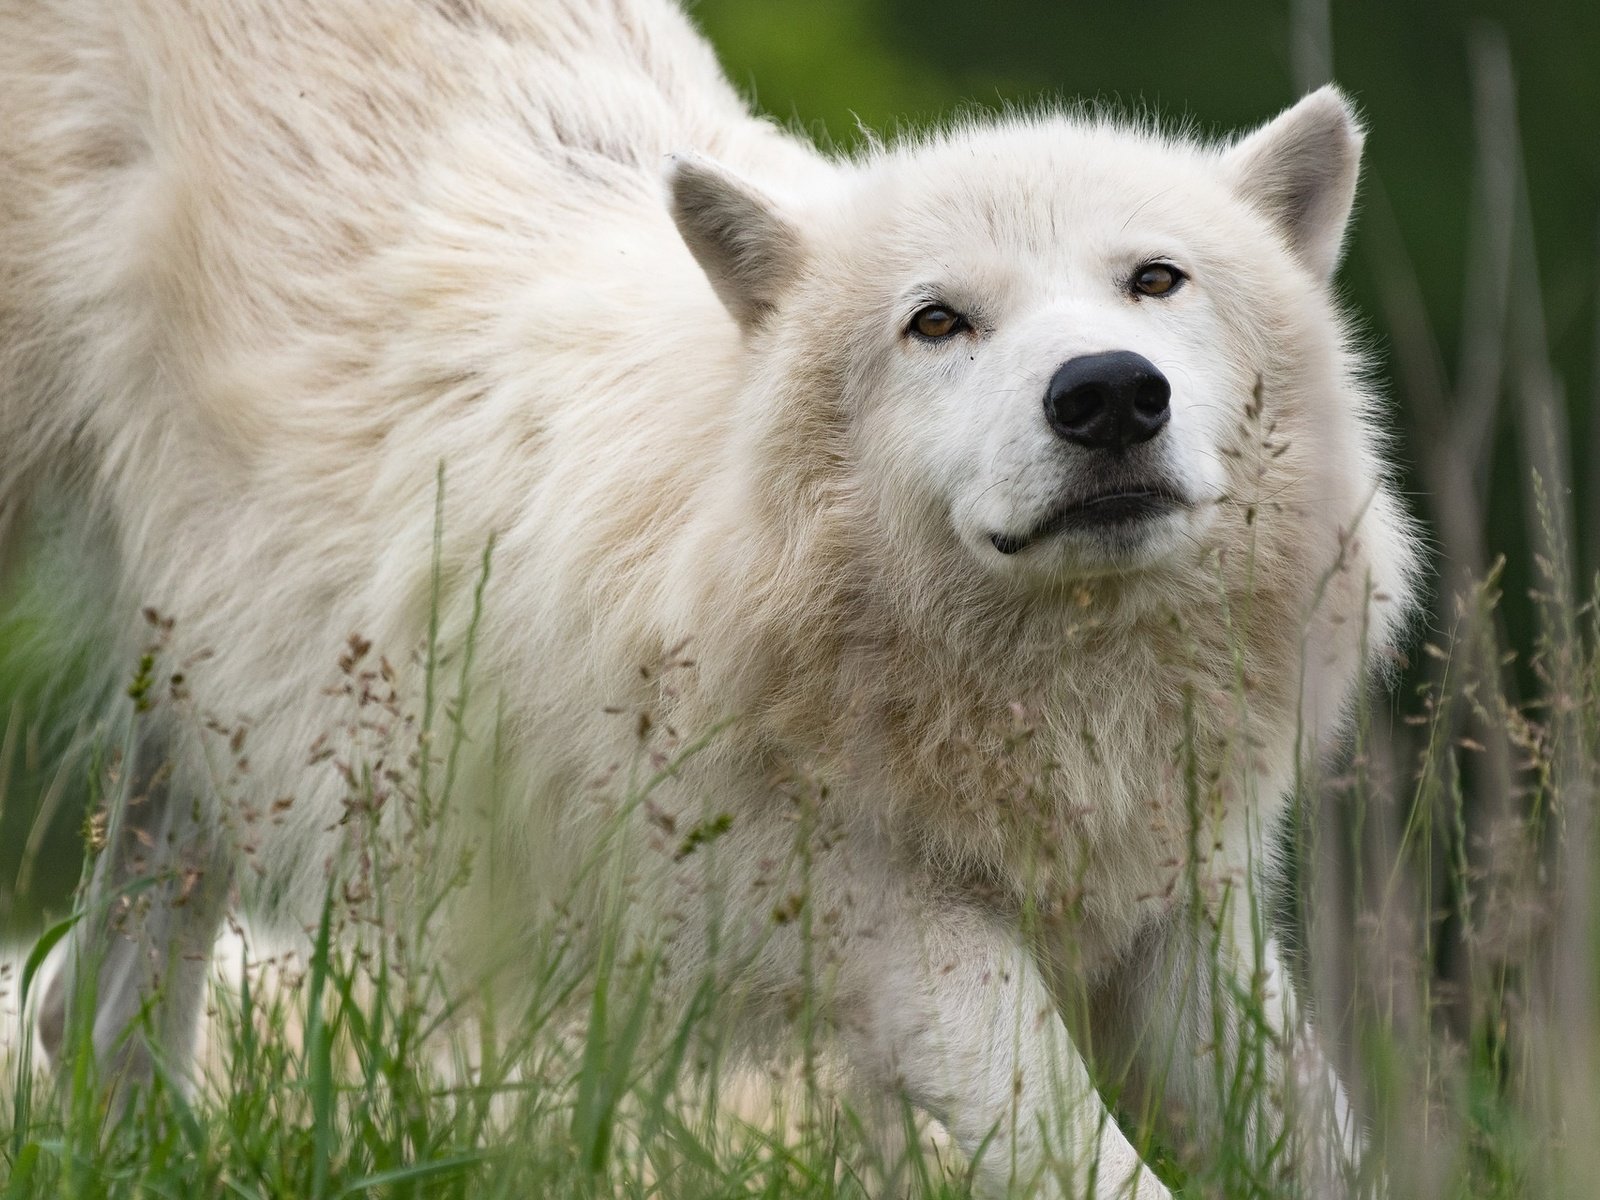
1050	338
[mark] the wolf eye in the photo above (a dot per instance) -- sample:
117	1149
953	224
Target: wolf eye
936	322
1156	279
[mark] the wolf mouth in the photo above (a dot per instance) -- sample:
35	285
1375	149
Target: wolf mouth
1102	511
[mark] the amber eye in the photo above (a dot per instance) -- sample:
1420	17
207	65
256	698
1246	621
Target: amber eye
937	322
1157	279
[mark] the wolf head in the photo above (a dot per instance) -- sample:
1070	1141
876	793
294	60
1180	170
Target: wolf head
1057	349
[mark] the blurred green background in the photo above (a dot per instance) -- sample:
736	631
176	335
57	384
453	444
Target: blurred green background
1473	267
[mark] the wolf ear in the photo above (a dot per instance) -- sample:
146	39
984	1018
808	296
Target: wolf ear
749	251
1300	170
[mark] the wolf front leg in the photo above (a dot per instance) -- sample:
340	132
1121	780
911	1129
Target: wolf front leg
1201	1022
132	972
953	1013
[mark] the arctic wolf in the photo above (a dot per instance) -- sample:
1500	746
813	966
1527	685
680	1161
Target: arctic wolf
1007	502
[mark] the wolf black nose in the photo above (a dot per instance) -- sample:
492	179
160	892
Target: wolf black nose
1108	401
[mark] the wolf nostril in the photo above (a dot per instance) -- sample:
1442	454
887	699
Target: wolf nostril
1151	398
1081	405
1108	401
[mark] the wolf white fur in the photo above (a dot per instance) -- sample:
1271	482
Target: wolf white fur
264	268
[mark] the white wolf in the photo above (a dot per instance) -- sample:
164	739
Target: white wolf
1016	488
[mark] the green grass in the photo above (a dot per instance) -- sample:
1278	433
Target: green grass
345	1071
344	1106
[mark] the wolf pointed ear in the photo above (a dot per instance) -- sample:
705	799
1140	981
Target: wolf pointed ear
1300	169
749	251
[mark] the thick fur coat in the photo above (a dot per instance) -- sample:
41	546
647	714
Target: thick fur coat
269	272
